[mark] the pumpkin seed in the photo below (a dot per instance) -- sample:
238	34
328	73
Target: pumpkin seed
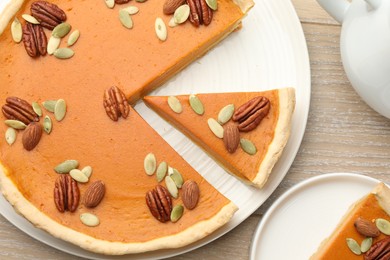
66	166
171	186
89	219
131	9
181	14
150	164
49	105
47	124
60	110
172	22
248	146
161	171
196	104
213	4
170	170
383	225
61	30
125	19
366	244
161	29
63	53
354	246
37	108
87	171
174	104
30	19
15	124
225	114
53	45
16	30
78	176
176	213
10	135
73	37
215	127
177	178
110	3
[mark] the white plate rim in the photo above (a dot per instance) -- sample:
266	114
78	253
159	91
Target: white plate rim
303	74
300	187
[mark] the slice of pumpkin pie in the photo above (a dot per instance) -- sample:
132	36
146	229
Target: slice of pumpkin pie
244	132
363	232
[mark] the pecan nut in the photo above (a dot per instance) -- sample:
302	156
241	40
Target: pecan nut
250	114
19	109
49	15
32	135
200	12
379	250
34	40
231	137
159	203
115	103
66	193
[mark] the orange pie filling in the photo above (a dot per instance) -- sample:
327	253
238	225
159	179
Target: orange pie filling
107	54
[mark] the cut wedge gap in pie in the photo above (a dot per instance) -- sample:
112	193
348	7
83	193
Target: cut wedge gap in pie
244	132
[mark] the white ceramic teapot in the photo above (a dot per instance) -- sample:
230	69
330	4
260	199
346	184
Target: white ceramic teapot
365	47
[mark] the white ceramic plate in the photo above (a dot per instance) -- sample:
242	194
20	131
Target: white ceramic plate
268	52
304	216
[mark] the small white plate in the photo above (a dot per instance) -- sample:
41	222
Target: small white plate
304	216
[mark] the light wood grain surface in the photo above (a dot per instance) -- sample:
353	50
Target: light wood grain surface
343	135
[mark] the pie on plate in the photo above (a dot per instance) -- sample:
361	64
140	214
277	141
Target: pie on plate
260	121
72	121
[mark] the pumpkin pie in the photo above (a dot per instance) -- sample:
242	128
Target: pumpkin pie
126	210
261	129
360	223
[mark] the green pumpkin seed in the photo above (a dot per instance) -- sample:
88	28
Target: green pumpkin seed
170	170
37	108
78	176
383	225
213	4
125	19
53	45
150	164
10	135
87	171
63	53
15	124
181	14
354	246
215	127
61	30
177	213
172	22
66	166
110	3
131	9
161	29
196	104
60	110
49	105
248	146
171	186
30	19
366	244
89	219
73	37
177	178
161	171
174	104
16	30
225	114
47	124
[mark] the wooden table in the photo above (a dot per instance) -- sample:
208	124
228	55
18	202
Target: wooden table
343	135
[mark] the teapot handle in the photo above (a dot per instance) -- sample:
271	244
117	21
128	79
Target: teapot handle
336	8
